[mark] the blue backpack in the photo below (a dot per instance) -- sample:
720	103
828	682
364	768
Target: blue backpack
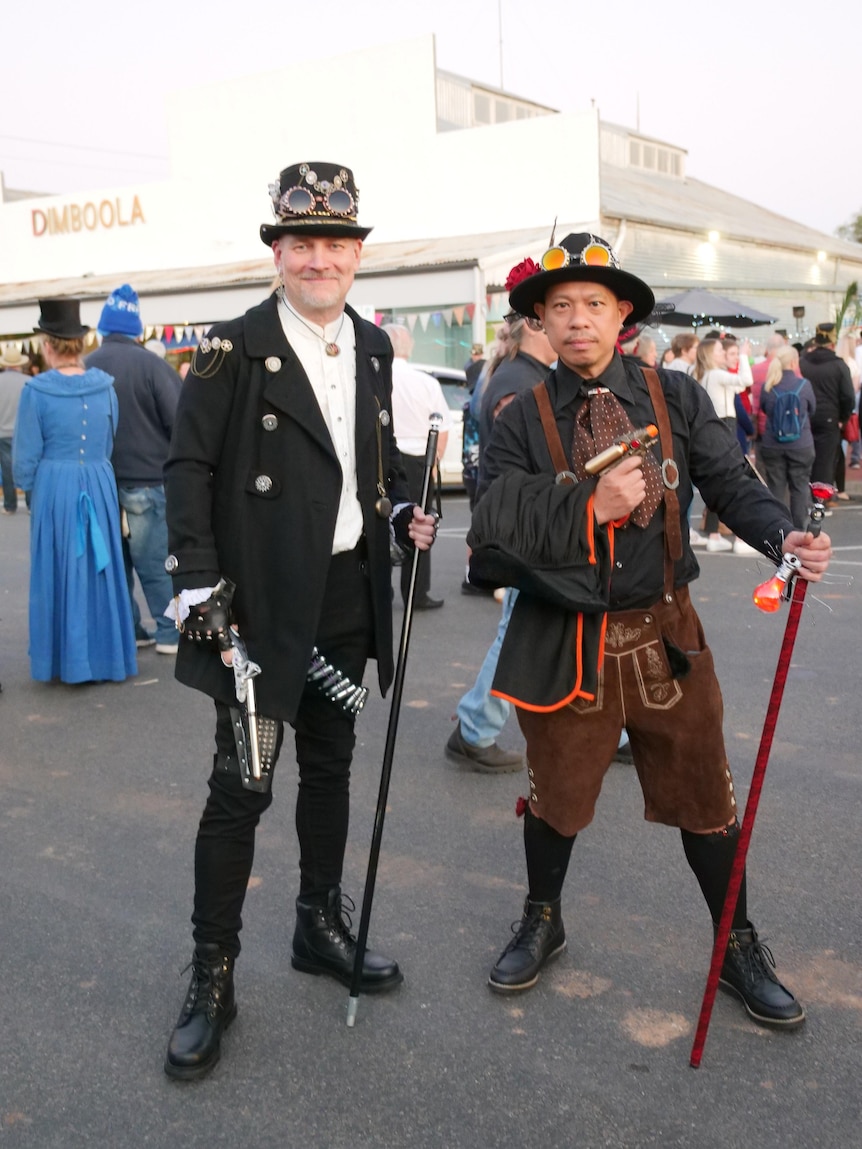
786	420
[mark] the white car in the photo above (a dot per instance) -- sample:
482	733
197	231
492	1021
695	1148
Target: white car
454	384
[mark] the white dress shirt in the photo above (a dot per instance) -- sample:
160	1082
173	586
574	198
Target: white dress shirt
333	380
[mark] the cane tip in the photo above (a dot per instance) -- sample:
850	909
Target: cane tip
352	1006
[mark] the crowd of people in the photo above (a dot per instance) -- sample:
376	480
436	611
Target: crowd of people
301	422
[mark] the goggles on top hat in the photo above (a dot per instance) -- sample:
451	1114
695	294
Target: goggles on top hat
596	253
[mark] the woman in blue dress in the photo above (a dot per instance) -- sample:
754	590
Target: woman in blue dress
80	615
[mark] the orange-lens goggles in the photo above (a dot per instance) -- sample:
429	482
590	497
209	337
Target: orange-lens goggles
595	254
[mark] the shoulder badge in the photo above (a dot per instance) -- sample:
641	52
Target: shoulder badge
209	356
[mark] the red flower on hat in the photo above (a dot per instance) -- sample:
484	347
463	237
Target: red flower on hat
520	272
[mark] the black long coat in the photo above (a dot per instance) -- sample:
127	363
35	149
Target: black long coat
253	485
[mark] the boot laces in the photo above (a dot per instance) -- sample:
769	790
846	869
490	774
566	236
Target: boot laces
758	960
204	989
526	929
340	921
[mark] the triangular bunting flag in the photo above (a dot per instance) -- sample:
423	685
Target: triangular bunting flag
159	332
411	320
424	316
458	313
471	310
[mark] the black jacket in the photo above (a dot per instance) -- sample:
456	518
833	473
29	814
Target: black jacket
539	659
833	386
256	499
147	392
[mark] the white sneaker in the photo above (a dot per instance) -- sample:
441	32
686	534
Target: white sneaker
695	538
717	543
166	647
740	547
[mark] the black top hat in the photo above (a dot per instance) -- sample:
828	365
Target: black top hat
61	318
585	257
314	199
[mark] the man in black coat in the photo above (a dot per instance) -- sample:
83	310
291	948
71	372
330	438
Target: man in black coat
285	479
833	388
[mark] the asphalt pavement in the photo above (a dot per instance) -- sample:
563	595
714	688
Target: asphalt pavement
102	787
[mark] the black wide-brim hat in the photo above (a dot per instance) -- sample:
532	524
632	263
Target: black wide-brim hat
314	199
61	318
575	249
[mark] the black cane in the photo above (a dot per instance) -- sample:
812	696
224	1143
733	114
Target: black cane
389	750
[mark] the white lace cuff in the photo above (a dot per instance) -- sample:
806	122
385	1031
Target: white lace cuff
180	605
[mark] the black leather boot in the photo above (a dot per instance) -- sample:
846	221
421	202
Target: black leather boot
323	943
540	936
208	1010
749	973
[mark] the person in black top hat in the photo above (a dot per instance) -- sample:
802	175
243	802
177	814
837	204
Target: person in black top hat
80	614
285	479
603	633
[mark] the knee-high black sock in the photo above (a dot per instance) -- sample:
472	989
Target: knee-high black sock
711	859
547	858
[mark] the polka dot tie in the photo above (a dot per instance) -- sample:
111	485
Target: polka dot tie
599	423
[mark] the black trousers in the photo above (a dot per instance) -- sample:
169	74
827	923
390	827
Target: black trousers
324	737
827	447
414	469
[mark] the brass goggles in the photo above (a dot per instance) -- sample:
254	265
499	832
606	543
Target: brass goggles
302	201
596	254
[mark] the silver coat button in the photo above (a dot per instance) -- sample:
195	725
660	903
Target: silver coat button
270	422
171	563
272	363
263	483
385	418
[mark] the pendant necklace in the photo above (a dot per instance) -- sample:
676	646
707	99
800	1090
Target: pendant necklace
331	348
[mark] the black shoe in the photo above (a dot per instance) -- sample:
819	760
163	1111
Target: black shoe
208	1010
428	603
540	936
323	943
749	973
468	588
484	759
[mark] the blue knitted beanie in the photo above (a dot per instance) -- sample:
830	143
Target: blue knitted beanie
121	315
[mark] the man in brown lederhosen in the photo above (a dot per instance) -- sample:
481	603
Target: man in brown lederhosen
604	634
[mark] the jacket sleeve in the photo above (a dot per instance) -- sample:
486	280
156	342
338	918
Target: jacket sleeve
203	415
531	533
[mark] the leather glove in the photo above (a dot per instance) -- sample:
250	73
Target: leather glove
209	622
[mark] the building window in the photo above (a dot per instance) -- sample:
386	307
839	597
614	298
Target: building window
502	111
481	109
649	157
676	164
634	153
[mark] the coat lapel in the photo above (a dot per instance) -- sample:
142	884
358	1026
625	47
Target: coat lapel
368	406
288	387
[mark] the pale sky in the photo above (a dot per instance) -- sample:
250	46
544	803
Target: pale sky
766	106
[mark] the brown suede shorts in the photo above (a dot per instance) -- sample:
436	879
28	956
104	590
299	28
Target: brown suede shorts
674	725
